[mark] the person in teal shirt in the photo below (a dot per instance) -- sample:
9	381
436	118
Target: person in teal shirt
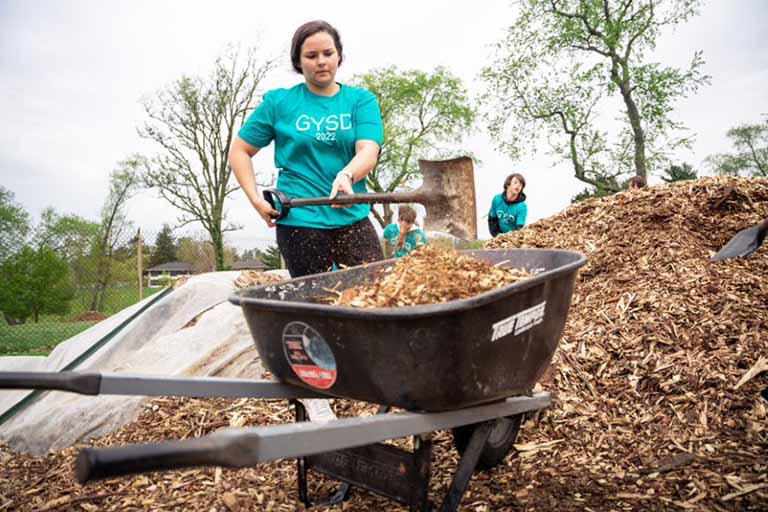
327	138
508	209
405	236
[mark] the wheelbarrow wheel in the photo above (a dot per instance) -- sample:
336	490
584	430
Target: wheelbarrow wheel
499	442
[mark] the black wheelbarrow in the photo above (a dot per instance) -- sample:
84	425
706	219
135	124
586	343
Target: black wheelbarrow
468	365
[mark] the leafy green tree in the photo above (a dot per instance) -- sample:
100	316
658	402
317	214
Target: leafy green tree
73	239
424	115
751	157
194	121
164	250
563	61
271	258
114	225
252	254
34	282
70	236
679	173
14	224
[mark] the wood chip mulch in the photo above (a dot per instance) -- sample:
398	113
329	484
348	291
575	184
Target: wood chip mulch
657	384
428	275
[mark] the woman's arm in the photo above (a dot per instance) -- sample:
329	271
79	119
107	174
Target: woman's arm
366	155
240	154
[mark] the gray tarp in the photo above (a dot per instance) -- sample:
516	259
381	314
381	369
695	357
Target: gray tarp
191	331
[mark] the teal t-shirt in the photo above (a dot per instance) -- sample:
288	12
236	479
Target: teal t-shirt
314	139
511	215
413	238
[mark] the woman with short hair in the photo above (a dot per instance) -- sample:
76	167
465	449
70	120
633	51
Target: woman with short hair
508	209
327	138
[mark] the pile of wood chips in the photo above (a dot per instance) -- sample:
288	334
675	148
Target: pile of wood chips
248	278
655	406
428	275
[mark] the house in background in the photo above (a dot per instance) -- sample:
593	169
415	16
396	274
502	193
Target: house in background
173	270
249	265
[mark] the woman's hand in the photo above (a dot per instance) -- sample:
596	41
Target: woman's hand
266	211
343	184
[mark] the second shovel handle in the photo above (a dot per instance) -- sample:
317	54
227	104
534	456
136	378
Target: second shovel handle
83	383
99	463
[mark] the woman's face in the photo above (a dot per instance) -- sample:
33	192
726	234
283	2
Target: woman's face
514	188
319	60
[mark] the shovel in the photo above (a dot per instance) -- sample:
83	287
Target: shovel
744	243
447	193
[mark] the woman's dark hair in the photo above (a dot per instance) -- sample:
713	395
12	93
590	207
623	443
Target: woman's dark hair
509	180
406	214
637	182
309	29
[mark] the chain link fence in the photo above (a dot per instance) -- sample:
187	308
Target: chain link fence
51	294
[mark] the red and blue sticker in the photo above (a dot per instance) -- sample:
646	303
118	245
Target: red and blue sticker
309	355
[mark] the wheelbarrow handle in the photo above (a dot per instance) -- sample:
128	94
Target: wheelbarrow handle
277	199
83	383
97	464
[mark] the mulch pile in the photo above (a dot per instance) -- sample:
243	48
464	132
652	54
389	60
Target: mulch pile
249	278
428	275
656	384
89	316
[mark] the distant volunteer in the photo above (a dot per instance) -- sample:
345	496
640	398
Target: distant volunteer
508	209
405	235
327	137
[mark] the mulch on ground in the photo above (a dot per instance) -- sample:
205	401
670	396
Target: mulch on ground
656	384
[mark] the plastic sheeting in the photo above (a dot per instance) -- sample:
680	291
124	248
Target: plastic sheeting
191	331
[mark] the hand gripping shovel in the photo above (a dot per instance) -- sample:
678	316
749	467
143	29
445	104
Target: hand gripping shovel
744	243
447	193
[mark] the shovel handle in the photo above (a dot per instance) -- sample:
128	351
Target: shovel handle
83	383
100	463
277	198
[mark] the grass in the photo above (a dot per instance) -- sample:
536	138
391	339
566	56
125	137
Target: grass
38	339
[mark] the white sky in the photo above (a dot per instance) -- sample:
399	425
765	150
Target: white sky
72	74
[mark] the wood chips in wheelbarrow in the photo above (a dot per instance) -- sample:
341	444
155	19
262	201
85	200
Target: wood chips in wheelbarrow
428	275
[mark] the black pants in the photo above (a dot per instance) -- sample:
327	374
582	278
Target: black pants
311	251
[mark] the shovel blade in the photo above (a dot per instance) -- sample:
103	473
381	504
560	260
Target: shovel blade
744	243
450	185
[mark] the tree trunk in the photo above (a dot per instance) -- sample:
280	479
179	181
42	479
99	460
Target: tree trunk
104	286
218	248
96	286
388	215
633	113
11	320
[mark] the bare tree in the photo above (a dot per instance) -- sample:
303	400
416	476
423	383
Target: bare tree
194	121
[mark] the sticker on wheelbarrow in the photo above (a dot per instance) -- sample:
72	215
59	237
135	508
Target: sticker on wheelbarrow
519	322
309	355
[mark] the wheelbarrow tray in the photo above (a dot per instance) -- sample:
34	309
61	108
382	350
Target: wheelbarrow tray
434	357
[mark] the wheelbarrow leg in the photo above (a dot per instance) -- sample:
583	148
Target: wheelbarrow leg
342	492
467	466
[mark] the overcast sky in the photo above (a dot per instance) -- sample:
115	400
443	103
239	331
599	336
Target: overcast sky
72	74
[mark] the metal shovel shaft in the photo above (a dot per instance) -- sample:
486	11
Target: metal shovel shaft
369	198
